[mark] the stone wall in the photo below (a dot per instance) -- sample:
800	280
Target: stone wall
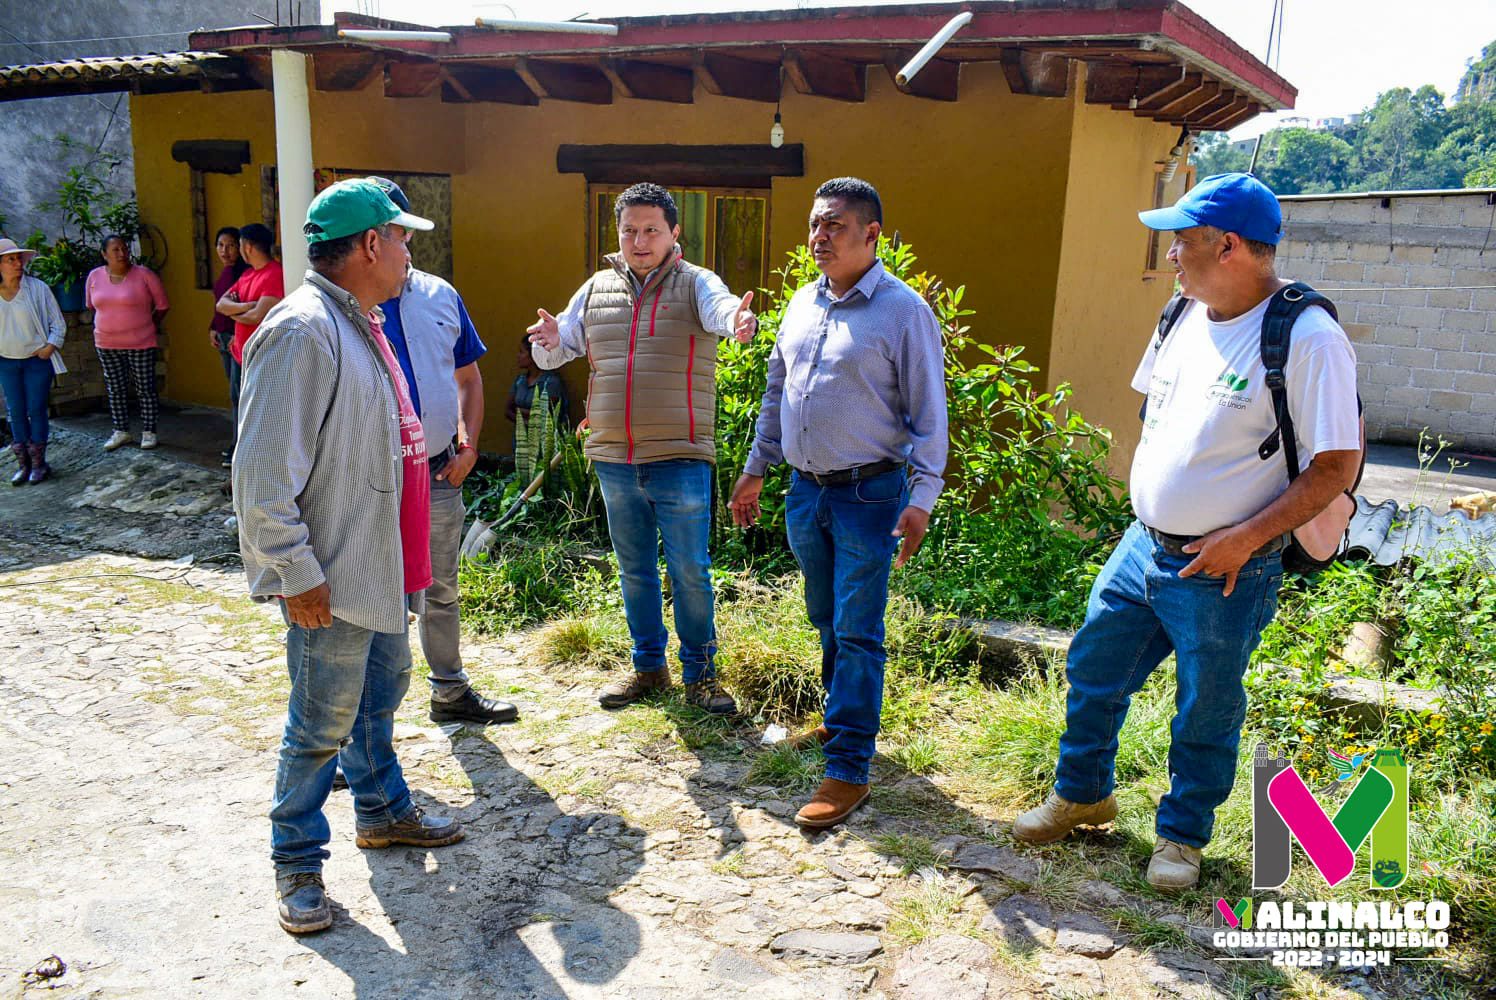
1414	277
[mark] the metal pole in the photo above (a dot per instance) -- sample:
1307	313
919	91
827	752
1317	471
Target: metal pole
293	157
381	35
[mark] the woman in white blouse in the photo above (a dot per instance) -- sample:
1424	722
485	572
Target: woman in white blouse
31	333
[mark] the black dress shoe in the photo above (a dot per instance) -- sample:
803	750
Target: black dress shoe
473	707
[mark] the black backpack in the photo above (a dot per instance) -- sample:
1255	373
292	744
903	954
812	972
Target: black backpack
1287	304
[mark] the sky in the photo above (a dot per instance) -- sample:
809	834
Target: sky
1339	53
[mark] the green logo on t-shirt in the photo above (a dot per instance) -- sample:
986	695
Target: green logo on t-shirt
1232	381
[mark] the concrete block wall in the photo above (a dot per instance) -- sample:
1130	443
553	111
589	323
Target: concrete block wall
1413	275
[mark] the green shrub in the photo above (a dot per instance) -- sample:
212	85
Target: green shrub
521	584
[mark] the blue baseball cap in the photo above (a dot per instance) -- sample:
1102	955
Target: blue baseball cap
1235	203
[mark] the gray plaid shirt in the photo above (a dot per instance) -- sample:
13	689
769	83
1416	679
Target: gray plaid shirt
317	472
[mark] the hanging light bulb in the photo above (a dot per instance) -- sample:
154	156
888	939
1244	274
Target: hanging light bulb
776	133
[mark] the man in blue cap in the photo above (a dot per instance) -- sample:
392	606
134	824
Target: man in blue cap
332	493
1197	573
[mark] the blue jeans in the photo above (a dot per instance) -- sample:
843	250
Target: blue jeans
842	537
27	384
670	501
346	683
1140	611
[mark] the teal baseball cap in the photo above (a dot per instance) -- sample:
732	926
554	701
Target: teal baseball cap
350	207
1235	203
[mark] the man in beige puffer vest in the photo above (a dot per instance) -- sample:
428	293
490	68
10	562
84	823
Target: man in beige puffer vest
649	326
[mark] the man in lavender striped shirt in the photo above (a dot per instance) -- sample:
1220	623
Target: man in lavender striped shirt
856	393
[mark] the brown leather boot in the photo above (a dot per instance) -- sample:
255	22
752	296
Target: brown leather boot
817	737
833	802
39	467
630	690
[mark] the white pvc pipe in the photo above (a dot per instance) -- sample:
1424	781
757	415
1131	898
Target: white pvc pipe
380	35
933	46
293	158
563	27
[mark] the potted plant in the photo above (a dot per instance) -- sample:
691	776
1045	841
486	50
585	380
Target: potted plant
90	212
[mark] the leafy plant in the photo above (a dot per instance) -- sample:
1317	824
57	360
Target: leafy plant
91	210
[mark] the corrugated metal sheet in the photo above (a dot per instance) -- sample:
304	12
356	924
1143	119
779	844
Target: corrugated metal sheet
1388	534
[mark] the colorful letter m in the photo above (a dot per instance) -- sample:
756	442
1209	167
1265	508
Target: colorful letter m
1283	809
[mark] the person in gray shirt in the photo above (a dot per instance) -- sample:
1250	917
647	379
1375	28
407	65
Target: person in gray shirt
856	393
333	504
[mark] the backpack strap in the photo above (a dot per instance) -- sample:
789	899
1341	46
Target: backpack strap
1173	309
1287	304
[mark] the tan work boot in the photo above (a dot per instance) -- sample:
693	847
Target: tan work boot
817	737
641	684
1056	817
833	802
709	696
1175	866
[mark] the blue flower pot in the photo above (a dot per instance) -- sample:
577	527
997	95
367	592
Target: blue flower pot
69	296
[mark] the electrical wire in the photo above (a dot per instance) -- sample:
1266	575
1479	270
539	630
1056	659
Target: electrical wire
106	38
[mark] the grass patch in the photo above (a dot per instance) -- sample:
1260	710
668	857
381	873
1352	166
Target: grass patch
788	770
732	864
921	755
768	654
597	641
520	584
912	852
931	909
1148	932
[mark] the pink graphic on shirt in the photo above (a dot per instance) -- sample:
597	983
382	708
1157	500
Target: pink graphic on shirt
415	497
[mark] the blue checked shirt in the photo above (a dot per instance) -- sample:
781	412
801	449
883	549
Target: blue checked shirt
857	380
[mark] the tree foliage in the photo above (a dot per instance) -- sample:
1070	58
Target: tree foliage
1407	140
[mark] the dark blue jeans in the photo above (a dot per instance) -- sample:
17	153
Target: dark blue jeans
842	537
649	502
1140	611
27	384
346	683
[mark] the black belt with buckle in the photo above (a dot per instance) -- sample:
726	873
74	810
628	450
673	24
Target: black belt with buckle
1174	544
439	461
844	476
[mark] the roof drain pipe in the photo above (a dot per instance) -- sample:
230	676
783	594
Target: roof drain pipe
933	46
563	27
381	35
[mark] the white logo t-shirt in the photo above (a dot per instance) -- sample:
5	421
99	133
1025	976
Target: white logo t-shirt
1209	409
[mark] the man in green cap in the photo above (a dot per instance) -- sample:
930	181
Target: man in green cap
332	493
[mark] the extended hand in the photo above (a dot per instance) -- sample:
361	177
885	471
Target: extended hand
545	331
312	609
744	323
1223	552
913	523
455	471
744	502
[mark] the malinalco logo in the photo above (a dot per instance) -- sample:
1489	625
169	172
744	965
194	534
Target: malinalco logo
1283	809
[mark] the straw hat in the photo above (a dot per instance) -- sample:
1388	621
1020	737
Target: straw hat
9	246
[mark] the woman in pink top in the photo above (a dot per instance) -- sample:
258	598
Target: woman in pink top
128	303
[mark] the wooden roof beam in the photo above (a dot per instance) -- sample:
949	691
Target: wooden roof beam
411	79
1189	83
1038	74
1116	83
940	79
1212	122
729	76
565	81
648	81
466	84
1245	115
1219	102
1181	106
346	70
824	77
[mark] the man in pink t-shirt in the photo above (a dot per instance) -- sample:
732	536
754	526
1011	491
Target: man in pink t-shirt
257	290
